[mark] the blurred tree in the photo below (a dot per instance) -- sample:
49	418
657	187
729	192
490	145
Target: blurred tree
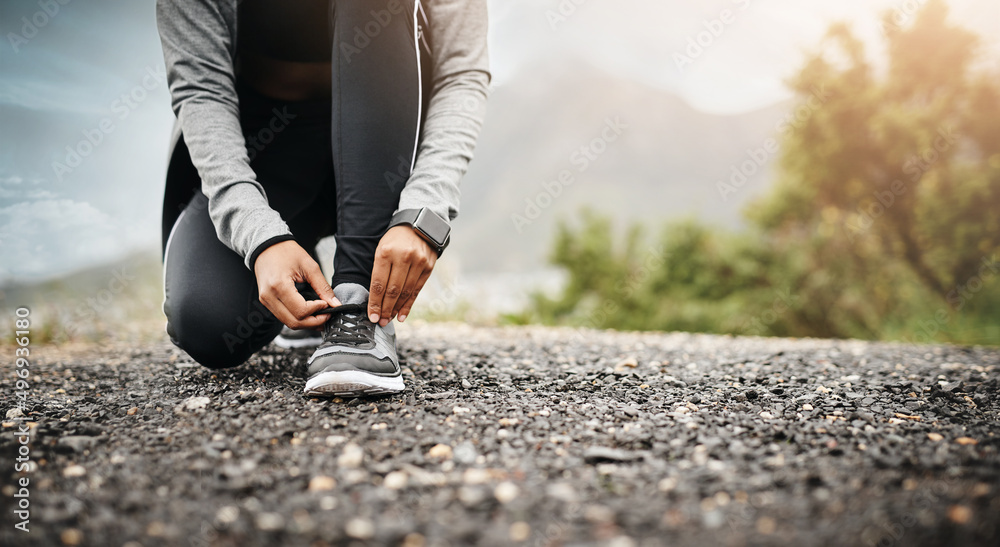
883	222
910	160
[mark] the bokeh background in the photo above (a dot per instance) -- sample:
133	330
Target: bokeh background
767	167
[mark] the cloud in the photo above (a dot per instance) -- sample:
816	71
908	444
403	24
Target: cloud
47	237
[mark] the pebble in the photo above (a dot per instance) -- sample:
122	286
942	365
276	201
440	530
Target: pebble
192	405
269	522
396	480
598	454
71	536
352	456
965	441
506	492
959	514
519	531
321	483
440	451
360	528
74	471
935	437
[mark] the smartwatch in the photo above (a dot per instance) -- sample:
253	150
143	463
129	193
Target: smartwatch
429	225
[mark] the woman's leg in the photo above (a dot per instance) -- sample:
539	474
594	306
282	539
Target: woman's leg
212	304
377	108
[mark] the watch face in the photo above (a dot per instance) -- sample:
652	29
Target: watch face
433	226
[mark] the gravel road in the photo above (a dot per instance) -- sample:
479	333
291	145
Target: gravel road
525	436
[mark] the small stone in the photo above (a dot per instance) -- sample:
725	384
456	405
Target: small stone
15	412
965	441
352	456
465	453
227	514
935	437
440	452
625	364
751	395
396	480
269	522
322	483
598	454
132	411
78	443
807	407
414	539
766	526
507	422
475	476
71	536
506	492
766	415
192	404
667	484
74	471
460	410
959	514
519	531
360	528
466	384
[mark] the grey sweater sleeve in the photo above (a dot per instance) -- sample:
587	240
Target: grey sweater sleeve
198	39
198	48
456	108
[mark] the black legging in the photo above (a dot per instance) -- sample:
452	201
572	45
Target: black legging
329	167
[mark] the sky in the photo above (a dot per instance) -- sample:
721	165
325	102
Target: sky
86	115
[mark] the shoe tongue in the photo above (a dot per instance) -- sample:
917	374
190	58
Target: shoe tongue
351	293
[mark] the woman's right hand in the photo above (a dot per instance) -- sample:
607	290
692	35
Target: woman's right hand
278	269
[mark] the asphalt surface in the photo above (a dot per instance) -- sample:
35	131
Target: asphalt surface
525	436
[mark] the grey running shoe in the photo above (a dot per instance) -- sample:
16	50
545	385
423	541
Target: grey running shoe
357	357
295	339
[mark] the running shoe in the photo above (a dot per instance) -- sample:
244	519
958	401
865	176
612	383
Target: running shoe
356	358
295	339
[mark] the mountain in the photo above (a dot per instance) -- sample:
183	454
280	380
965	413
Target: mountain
665	163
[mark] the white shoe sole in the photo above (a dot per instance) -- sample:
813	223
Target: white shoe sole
297	343
351	383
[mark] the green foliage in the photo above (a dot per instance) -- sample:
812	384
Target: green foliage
883	223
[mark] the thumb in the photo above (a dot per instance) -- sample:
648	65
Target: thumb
314	276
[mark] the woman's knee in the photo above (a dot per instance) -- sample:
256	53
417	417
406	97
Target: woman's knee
216	339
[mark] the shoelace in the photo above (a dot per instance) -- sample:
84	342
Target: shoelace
349	325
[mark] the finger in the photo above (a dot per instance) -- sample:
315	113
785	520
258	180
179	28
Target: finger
380	278
397	281
407	292
404	310
300	310
276	307
314	276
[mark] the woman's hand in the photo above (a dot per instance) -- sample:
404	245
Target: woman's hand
278	269
403	262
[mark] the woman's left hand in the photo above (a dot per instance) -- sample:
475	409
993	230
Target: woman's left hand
403	263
